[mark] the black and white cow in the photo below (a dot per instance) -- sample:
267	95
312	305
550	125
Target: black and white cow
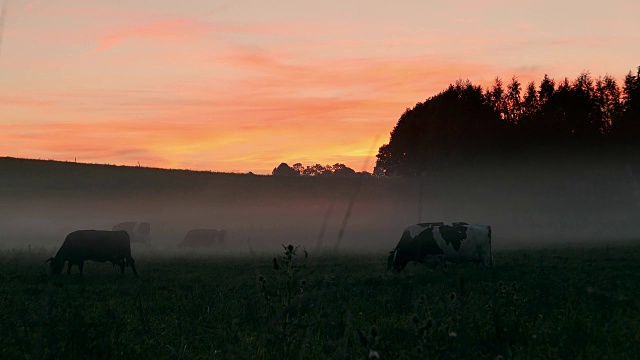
94	245
139	232
434	243
204	238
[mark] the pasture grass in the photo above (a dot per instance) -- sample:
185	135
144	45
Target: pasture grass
554	303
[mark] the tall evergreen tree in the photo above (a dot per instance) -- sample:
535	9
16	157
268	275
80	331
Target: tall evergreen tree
551	126
608	97
628	129
547	89
530	104
513	101
530	112
586	117
496	98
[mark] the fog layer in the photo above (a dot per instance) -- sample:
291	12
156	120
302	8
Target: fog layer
531	204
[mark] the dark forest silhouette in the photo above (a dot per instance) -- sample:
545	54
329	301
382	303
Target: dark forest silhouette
466	123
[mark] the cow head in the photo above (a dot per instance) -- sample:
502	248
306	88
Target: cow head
390	259
392	262
56	265
397	260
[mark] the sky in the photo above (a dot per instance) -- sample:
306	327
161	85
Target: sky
243	85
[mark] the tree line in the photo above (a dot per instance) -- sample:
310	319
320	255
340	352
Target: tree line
465	122
298	169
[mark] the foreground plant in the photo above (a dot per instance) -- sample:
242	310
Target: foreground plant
369	342
282	296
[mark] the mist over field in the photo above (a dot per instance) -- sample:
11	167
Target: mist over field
531	204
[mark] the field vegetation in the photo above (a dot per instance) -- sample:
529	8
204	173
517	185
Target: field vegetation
553	303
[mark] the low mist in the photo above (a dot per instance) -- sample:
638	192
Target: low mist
529	205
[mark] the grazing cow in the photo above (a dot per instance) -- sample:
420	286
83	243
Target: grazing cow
139	232
94	245
204	238
433	243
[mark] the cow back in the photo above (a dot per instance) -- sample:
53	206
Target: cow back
95	245
454	242
200	238
417	243
465	243
127	226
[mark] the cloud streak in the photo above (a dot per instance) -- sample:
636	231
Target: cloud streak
159	31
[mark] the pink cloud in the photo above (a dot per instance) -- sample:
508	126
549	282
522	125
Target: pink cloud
180	28
160	31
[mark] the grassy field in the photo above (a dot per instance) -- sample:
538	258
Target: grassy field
555	303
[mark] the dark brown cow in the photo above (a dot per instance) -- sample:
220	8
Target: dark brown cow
204	238
94	245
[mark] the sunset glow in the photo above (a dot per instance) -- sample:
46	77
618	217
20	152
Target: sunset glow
240	86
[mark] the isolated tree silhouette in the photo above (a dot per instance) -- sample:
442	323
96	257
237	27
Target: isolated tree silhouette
343	170
298	168
315	170
284	170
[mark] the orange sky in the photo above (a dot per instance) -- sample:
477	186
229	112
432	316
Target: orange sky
244	85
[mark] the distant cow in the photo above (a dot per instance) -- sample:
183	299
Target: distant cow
94	245
204	238
139	232
438	242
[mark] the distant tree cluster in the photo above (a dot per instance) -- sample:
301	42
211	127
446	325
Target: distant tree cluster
315	170
465	121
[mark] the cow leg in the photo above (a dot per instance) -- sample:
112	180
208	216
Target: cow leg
444	265
81	266
132	263
69	268
488	262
